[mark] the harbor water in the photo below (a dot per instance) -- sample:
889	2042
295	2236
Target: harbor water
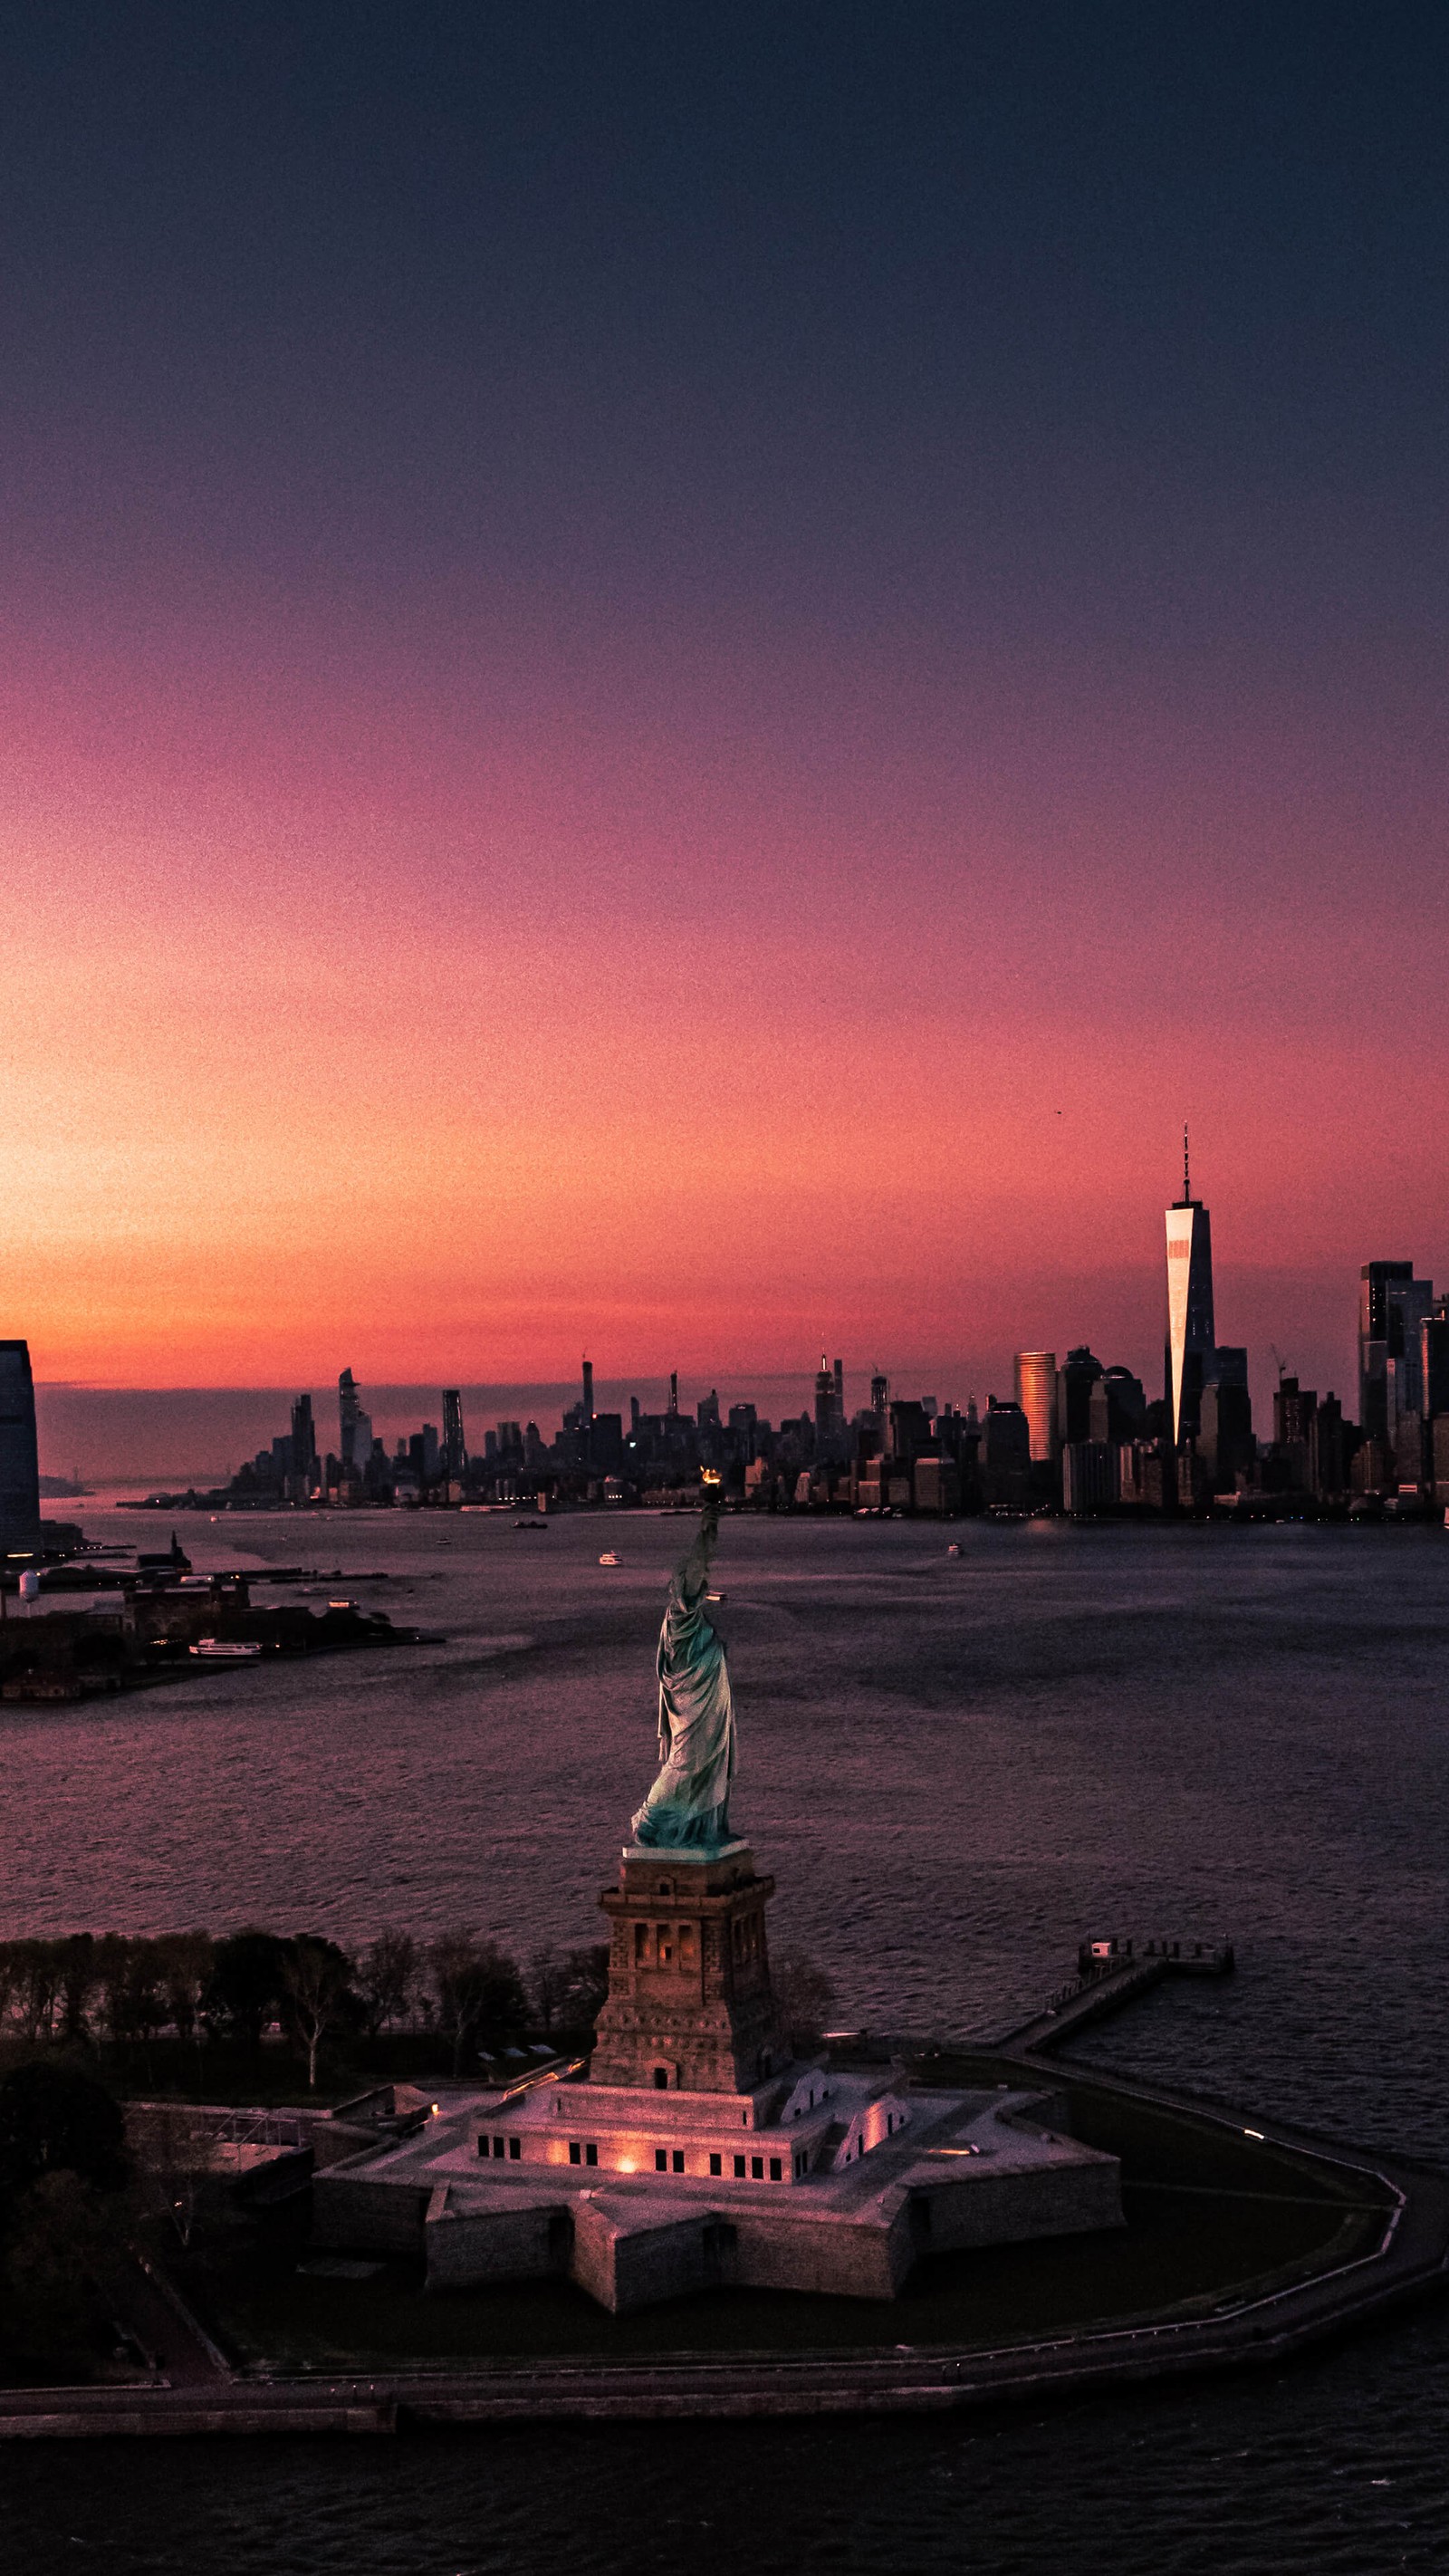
955	1767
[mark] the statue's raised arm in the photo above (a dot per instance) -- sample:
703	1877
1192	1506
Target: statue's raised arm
688	1805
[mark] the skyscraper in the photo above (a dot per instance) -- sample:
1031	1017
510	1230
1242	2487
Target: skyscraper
827	1412
1392	1306
1079	1373
1036	1393
347	1422
304	1449
454	1452
588	1393
19	1456
1190	1330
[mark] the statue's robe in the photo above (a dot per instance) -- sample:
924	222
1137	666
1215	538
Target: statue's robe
689	1802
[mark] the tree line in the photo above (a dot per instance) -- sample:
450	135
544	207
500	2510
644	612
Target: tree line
121	1991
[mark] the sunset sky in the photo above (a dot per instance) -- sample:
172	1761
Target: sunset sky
675	680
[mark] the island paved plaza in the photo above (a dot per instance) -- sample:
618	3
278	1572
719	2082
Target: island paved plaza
697	2151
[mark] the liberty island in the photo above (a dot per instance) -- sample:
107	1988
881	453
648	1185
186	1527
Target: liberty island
696	2149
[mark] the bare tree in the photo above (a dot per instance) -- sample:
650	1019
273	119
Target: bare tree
38	1987
317	1977
547	1978
167	2179
479	1991
184	1962
387	1977
80	1977
10	1978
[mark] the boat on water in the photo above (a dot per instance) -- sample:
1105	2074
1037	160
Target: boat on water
530	1525
609	1558
227	1650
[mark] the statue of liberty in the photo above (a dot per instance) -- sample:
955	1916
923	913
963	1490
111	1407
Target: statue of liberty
688	1806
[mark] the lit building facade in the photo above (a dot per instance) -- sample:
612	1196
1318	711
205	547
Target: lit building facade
1036	1393
1191	1336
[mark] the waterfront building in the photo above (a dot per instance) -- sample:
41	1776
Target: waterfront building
588	1413
1005	1457
1225	1442
1434	1361
19	1454
1035	1374
1392	1307
1089	1477
1328	1451
910	1431
1295	1409
936	1485
1116	1407
1076	1378
1190	1332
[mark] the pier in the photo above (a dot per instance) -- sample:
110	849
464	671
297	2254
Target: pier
1111	1972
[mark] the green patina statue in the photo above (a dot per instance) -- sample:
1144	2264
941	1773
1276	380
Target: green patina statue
688	1806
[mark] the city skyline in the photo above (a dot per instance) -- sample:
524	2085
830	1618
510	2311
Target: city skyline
96	1426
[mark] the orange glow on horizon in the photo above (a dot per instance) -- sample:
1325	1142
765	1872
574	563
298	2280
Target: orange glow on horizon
339	1039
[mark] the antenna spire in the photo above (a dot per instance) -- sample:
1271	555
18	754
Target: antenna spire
1186	1181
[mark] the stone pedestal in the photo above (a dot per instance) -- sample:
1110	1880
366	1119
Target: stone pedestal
690	2007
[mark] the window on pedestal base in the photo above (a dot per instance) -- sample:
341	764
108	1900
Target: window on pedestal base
739	2168
661	2160
661	2079
716	2164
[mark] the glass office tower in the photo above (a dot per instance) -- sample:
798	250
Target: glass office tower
1190	1330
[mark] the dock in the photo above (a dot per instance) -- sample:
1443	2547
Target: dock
1111	1971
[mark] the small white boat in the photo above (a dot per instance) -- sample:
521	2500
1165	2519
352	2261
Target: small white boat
227	1650
609	1558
